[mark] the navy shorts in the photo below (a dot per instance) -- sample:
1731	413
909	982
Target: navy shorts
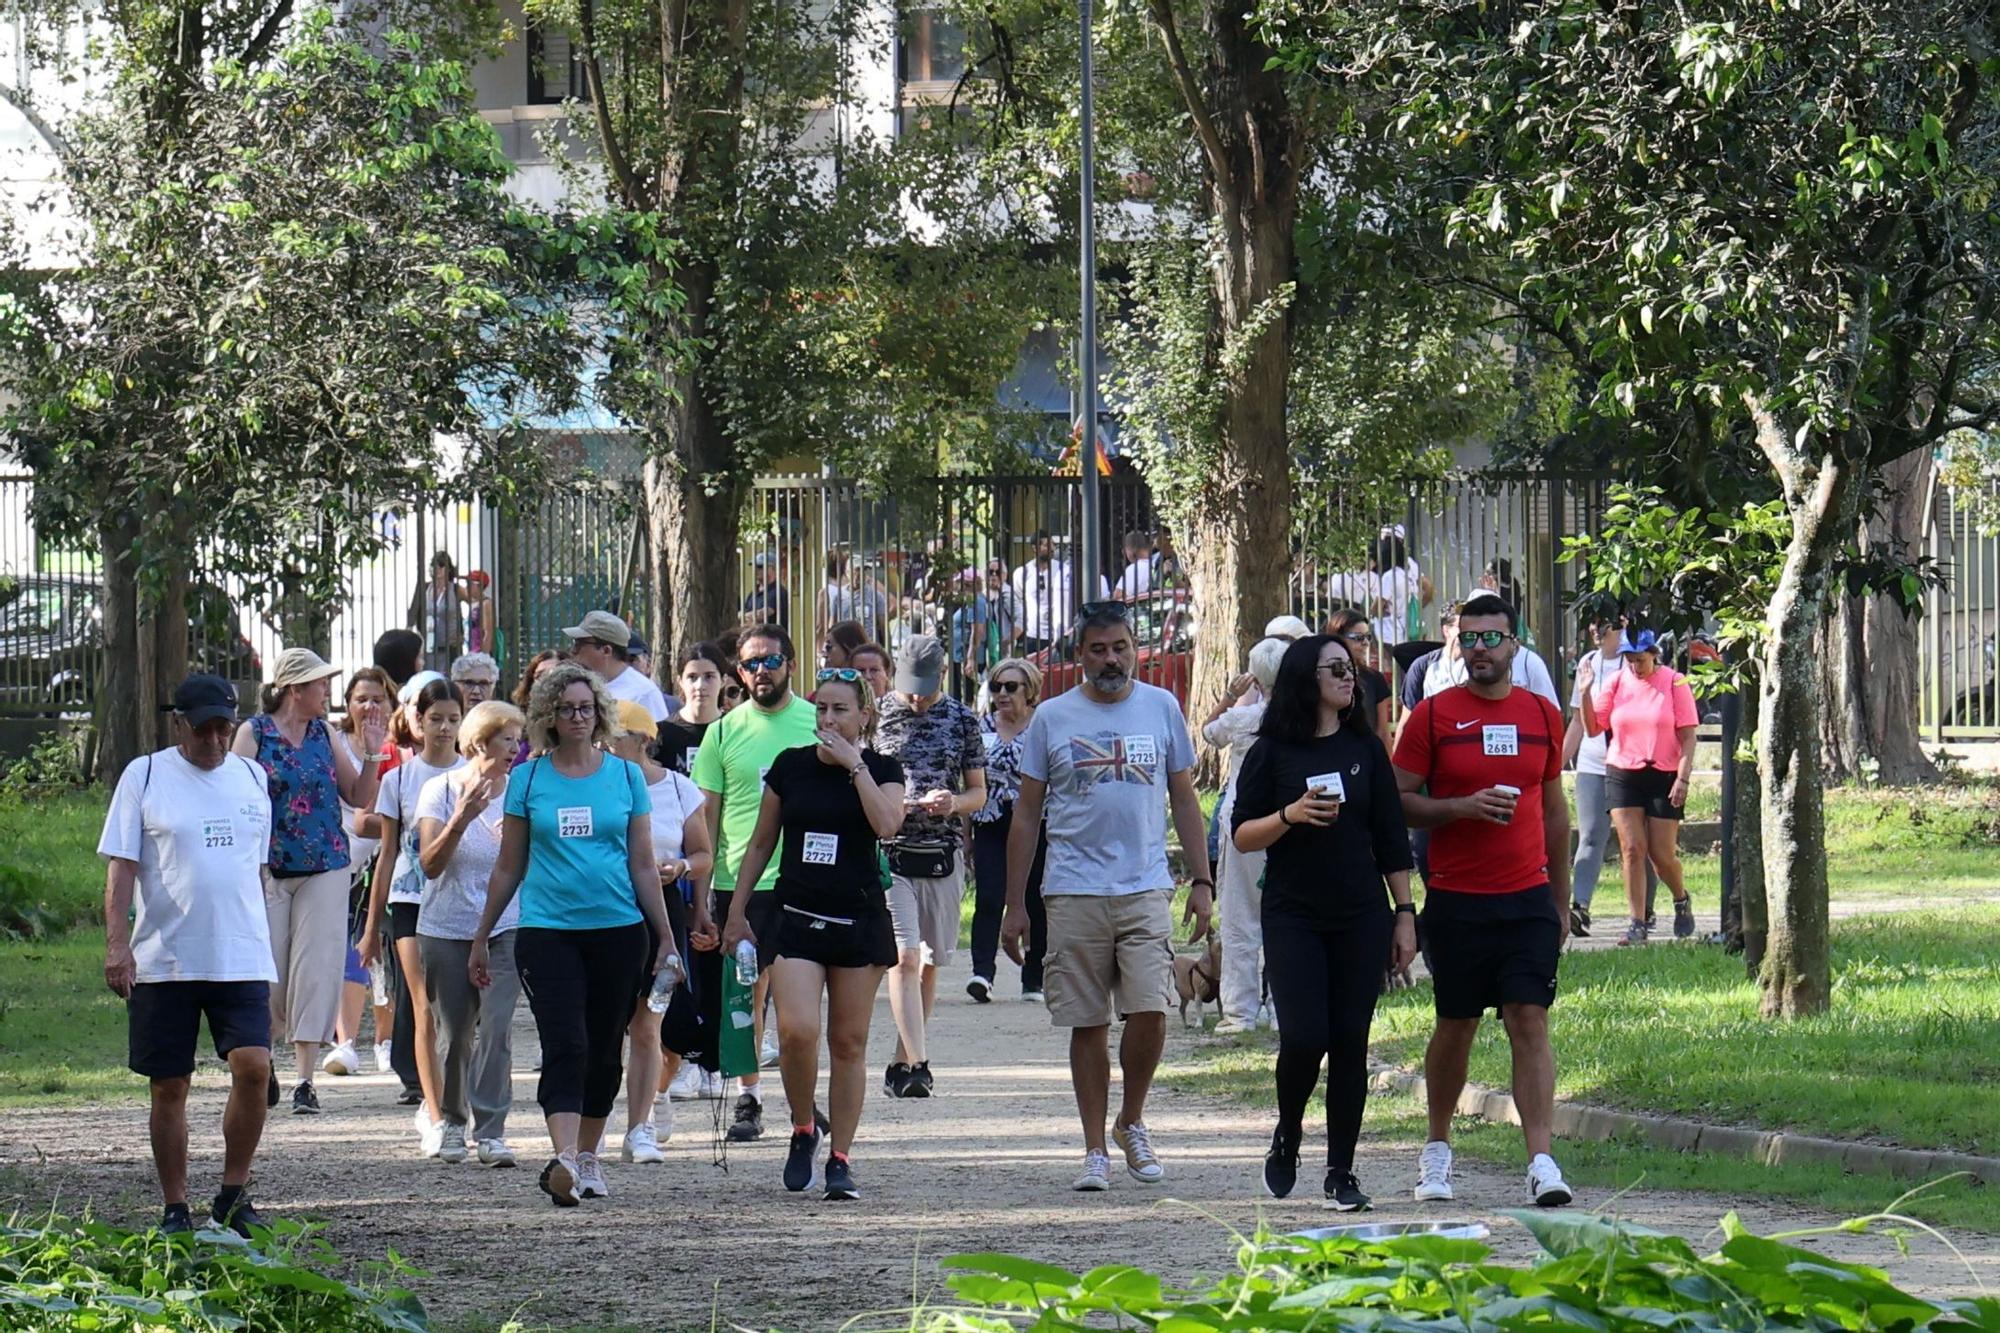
165	1022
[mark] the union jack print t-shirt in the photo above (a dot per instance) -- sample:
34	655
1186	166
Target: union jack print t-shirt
1106	766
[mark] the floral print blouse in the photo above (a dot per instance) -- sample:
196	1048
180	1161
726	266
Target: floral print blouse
306	836
1003	771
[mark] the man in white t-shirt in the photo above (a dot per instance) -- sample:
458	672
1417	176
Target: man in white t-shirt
1046	589
189	829
602	643
1137	580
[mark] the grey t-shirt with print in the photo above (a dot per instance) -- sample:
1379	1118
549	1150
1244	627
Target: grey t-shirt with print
1106	766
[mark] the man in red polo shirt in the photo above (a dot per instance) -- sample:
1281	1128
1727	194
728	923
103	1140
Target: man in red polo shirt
1481	766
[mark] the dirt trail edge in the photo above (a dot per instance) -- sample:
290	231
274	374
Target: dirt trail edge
985	1165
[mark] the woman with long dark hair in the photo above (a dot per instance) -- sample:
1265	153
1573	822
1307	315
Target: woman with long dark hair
1318	795
1357	634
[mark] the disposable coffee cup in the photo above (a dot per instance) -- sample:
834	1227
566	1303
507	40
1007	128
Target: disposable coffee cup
1514	792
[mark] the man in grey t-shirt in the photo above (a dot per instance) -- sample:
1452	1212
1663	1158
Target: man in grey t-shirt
1094	763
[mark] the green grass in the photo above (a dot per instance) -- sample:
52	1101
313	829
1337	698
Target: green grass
62	1031
48	857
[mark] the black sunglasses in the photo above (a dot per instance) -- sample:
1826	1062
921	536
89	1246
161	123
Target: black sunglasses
1338	670
768	662
1005	686
1117	609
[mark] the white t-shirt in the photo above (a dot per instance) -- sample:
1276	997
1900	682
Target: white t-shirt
1396	587
360	850
1045	596
397	799
640	689
1530	673
455	900
1590	755
1137	580
675	797
201	838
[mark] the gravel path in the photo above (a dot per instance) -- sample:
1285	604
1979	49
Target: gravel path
984	1166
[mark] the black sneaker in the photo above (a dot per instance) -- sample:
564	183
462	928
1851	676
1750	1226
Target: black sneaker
980	989
896	1079
800	1161
749	1122
920	1080
176	1220
232	1209
840	1180
1281	1164
409	1096
1684	919
1343	1193
1579	920
304	1100
271	1091
1652	920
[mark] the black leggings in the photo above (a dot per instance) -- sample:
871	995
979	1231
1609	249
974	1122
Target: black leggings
1324	984
989	900
581	985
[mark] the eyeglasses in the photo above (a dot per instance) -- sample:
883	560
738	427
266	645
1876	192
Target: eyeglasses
1482	638
847	674
1338	670
770	662
1005	686
475	683
575	711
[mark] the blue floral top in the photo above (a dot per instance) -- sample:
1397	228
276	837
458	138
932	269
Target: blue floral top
306	836
1003	771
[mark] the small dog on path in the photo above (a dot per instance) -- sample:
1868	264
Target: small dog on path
1198	980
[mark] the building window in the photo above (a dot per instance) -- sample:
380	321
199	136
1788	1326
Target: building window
555	71
933	49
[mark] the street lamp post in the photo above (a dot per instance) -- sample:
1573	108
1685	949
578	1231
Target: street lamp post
1091	557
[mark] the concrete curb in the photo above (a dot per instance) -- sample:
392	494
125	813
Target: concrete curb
1574	1120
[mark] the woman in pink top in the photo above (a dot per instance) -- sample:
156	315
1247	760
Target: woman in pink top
1648	711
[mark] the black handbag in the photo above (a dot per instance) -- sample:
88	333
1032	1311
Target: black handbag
923	860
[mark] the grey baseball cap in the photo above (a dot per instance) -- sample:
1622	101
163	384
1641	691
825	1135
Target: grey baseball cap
602	626
920	665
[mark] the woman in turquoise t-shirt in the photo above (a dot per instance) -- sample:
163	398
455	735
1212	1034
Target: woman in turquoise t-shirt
577	842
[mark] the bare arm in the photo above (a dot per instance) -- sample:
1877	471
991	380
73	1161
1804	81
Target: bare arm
883	805
1193	831
120	971
757	856
505	881
697	852
646	883
1572	738
378	889
1488	806
972	798
357	783
1021	840
1593	725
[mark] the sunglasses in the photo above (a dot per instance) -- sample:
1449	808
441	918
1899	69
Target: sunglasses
1482	638
847	674
1006	686
1359	636
1118	609
732	691
1338	670
770	662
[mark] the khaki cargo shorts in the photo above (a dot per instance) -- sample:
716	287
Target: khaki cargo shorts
1108	957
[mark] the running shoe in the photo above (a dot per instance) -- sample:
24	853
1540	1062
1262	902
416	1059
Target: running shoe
748	1125
840	1184
410	1097
663	1120
342	1059
1684	918
495	1153
1545	1183
451	1144
1141	1162
1281	1164
641	1146
1343	1193
559	1180
1579	920
687	1083
176	1220
383	1061
1652	919
896	1079
1434	1173
920	1080
1230	1026
590	1177
1096	1176
304	1100
232	1211
768	1057
1635	934
430	1135
1033	997
980	989
802	1159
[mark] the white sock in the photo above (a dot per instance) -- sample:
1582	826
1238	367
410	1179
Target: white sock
755	1092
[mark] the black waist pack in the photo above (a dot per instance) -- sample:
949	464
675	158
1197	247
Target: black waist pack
923	860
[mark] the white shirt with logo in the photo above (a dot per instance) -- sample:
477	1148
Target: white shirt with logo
201	838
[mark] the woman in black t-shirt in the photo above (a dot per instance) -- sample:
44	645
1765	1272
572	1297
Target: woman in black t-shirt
700	671
1356	633
1318	793
833	802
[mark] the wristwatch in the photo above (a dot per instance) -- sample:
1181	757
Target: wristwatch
1411	908
1208	883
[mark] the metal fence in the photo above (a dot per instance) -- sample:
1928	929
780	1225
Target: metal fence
936	555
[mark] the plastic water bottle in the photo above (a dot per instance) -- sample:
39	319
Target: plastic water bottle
746	963
669	976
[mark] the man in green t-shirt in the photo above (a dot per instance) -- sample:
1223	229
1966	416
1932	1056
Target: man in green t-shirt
735	755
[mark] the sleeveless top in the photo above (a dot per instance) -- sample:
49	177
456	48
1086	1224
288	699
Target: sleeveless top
306	836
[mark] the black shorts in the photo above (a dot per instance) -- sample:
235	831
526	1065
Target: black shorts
1486	950
1647	789
865	940
403	920
164	1022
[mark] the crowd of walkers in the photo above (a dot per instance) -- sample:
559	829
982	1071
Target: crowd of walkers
691	887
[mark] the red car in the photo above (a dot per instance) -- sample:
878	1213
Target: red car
1163	625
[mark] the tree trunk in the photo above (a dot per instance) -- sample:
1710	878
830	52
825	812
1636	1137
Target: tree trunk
1749	836
1821	494
168	614
121	735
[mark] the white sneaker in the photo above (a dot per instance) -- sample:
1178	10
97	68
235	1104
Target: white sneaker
495	1153
1031	997
663	1120
641	1146
383	1064
768	1057
590	1177
451	1143
430	1138
1141	1163
1096	1175
1434	1173
686	1085
714	1087
1231	1025
342	1060
1545	1183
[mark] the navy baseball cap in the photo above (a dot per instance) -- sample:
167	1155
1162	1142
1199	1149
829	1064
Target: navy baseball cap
1645	641
202	698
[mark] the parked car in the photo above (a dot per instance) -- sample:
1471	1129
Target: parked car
1162	625
52	641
